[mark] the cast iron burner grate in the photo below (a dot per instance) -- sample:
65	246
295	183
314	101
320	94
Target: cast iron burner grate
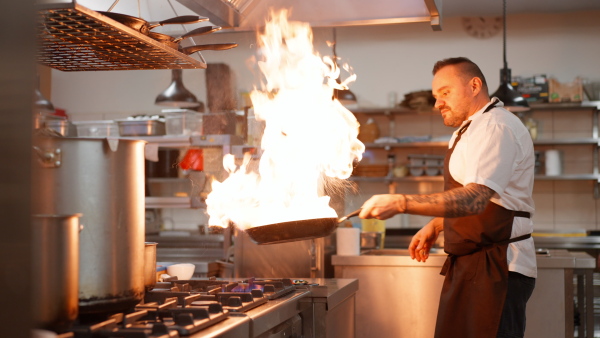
273	288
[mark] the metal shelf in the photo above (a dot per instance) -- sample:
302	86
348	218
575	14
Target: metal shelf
74	38
167	202
387	179
165	141
575	177
388	111
568	141
439	178
153	202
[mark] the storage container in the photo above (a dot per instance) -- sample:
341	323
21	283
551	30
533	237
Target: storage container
183	122
169	187
104	128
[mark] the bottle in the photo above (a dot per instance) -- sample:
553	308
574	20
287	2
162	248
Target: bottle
531	125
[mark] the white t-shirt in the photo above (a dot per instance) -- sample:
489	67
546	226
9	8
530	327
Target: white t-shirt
496	150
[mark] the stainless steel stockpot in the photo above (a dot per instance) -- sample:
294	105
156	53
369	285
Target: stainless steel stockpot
55	256
104	180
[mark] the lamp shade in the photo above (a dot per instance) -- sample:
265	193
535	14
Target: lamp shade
508	95
176	95
41	102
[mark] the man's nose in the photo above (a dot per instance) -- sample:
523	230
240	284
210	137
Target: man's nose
438	103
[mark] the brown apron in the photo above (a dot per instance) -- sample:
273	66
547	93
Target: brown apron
476	269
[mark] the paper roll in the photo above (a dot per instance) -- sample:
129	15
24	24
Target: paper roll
553	163
348	241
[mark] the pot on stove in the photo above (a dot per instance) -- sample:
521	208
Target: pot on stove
103	179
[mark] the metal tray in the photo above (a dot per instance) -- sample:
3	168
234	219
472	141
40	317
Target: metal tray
141	127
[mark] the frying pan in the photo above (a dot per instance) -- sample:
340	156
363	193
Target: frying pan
173	42
296	230
144	26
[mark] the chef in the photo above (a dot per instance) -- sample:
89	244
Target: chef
485	210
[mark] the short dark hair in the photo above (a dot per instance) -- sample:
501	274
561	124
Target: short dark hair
467	66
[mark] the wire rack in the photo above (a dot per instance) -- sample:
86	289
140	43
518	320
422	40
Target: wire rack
80	39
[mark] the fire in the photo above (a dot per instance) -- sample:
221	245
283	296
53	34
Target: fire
308	136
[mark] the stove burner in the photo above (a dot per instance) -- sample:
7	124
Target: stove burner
273	288
179	308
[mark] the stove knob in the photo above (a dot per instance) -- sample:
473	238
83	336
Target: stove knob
234	301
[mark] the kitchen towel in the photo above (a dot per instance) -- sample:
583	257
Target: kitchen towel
553	163
348	241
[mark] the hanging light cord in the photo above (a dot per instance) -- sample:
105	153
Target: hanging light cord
504	32
334	45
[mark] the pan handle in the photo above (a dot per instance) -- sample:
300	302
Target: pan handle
217	46
184	19
198	31
352	214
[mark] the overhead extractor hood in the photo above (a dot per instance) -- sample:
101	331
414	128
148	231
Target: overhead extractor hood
252	14
72	37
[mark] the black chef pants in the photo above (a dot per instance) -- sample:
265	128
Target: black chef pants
512	323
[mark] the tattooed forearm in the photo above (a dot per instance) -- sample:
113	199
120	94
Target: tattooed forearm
469	200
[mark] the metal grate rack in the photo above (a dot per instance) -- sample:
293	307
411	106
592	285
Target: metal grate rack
80	39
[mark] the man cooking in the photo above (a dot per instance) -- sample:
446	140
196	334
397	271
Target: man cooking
484	211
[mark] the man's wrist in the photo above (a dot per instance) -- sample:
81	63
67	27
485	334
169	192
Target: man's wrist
402	204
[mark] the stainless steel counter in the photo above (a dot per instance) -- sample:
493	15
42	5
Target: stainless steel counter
399	297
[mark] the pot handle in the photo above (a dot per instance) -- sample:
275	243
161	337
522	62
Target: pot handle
113	143
49	158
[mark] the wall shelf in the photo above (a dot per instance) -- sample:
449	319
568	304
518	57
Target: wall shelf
593	140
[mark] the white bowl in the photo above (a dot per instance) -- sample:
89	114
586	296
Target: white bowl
183	271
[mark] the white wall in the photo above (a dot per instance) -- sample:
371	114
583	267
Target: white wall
390	58
386	59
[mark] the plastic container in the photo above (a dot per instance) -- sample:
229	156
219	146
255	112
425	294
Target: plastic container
184	122
60	126
104	128
169	187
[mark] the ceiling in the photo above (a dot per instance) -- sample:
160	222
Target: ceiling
155	10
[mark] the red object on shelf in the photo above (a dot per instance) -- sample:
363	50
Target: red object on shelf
193	159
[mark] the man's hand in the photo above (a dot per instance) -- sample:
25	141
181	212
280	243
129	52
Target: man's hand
383	206
424	239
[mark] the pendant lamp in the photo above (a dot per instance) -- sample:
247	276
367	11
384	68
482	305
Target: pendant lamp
176	95
506	93
41	102
345	96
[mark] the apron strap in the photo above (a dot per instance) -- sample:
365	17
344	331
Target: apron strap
523	214
451	258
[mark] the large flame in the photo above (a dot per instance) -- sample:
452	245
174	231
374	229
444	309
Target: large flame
308	136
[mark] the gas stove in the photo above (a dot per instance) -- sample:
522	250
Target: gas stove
202	308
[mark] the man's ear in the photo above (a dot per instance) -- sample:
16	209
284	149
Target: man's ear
476	85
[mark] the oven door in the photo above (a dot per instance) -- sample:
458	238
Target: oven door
291	328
